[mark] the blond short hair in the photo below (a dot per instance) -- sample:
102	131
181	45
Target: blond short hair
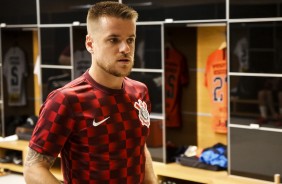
112	9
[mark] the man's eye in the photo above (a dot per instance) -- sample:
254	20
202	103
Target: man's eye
130	40
114	40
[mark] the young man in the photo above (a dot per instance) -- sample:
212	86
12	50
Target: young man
99	122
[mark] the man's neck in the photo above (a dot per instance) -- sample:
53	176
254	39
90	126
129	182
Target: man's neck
106	79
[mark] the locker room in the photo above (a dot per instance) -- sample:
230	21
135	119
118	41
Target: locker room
212	68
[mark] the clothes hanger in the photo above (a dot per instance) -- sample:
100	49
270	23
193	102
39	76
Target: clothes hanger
222	46
168	45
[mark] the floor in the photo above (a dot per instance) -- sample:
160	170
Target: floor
13	178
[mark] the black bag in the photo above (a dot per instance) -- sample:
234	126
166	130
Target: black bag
24	132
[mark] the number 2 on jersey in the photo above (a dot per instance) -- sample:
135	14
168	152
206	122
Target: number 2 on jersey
218	86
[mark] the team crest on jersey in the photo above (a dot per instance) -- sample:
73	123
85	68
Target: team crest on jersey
143	115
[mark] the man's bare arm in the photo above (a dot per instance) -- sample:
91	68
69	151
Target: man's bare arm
150	177
36	168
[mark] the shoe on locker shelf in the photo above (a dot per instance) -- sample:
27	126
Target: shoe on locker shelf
17	158
278	121
12	156
6	159
262	121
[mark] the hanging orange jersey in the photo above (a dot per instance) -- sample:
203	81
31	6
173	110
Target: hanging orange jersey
216	83
176	76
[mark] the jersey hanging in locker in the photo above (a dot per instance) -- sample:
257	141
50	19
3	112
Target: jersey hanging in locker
15	70
176	76
82	61
216	83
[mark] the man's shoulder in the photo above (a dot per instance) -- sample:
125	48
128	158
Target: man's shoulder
73	86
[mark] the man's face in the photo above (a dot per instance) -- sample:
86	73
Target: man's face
113	45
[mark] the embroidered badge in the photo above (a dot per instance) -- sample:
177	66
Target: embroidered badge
143	115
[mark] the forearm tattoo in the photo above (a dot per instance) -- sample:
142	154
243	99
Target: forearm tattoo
34	157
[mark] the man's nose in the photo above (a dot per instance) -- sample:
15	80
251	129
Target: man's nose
124	47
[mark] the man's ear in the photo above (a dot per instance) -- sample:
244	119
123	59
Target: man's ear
88	44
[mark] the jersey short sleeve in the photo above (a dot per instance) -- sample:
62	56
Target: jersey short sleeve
99	132
54	125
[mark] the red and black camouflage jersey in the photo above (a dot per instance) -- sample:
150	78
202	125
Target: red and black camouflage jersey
99	132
